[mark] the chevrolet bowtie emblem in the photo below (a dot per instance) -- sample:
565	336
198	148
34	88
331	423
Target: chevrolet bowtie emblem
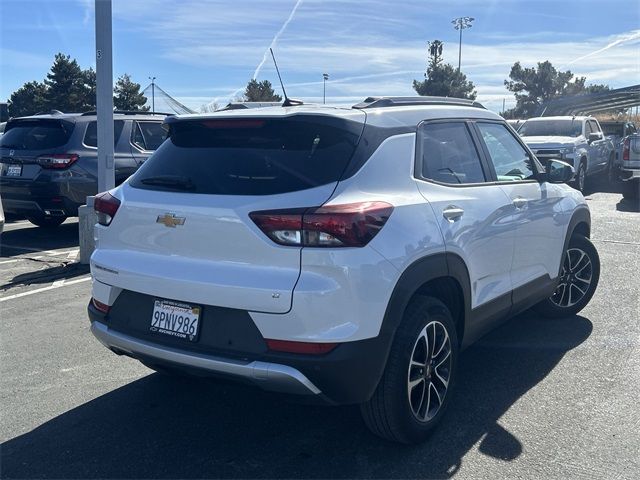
170	220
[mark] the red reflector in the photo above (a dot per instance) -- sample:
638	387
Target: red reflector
102	307
106	205
300	347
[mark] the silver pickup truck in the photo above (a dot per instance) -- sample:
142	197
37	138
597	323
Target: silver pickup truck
578	141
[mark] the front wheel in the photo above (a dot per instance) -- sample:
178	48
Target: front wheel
578	280
581	177
415	388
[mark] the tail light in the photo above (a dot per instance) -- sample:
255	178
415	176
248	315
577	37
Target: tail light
625	149
309	348
106	206
57	161
348	225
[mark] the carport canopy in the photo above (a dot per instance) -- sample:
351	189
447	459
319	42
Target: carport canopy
586	104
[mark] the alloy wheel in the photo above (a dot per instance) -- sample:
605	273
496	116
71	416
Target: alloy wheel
575	278
429	371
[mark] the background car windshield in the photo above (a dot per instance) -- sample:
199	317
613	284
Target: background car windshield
251	156
36	134
551	128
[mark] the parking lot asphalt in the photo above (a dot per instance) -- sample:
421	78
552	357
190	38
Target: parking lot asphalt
535	398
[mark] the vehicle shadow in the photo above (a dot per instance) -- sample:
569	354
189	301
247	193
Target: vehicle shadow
165	427
628	205
34	239
65	271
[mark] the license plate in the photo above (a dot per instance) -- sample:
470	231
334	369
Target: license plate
175	319
13	170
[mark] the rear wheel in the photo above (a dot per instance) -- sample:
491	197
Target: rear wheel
46	222
415	388
578	280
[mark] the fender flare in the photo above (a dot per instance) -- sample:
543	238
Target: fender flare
581	215
415	276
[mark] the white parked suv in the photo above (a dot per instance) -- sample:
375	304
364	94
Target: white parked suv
345	255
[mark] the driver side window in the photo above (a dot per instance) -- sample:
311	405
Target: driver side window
510	160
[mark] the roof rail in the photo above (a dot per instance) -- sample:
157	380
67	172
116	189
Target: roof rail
129	112
377	102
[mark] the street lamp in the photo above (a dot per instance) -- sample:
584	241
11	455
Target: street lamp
325	77
461	23
153	94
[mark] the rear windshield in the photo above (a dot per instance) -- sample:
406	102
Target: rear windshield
250	156
36	134
551	128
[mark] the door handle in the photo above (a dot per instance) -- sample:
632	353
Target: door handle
452	213
519	202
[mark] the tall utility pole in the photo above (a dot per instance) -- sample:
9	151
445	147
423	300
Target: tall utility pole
153	94
104	95
461	23
325	77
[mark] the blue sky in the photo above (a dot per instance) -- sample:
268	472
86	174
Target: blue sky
203	51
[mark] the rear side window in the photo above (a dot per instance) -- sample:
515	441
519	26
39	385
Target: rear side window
36	134
148	135
251	156
91	134
448	154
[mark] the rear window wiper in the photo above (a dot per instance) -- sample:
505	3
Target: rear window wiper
10	146
170	181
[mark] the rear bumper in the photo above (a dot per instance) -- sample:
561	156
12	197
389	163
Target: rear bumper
629	173
269	376
230	346
48	196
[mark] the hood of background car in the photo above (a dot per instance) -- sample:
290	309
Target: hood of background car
551	142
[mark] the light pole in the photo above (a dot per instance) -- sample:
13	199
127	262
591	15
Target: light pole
325	77
461	23
153	94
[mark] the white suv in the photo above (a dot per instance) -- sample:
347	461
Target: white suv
345	255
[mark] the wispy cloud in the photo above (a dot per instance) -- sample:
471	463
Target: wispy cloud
624	38
274	41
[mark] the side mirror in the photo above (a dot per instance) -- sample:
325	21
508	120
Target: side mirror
593	136
559	172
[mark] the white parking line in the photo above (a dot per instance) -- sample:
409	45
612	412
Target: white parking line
71	255
44	289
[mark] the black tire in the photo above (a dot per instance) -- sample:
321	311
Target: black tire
574	270
390	411
580	181
612	171
47	222
631	189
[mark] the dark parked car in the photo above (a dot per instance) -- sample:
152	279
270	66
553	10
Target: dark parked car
49	162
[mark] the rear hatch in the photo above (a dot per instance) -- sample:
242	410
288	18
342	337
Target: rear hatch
28	144
183	230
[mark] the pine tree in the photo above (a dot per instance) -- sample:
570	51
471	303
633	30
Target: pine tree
28	100
443	80
260	92
66	88
128	95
